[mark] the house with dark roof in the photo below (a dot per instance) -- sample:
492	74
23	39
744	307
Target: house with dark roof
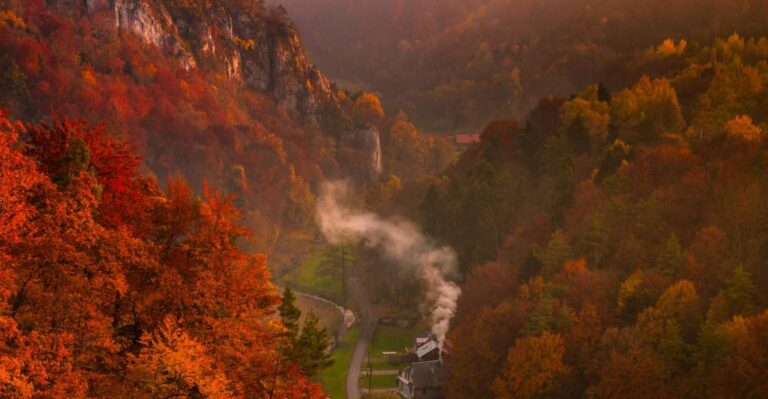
423	378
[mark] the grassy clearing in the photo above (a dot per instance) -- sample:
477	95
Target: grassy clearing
307	278
378	381
393	339
382	364
334	378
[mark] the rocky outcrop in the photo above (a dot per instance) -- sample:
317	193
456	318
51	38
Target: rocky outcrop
153	25
258	47
372	142
268	55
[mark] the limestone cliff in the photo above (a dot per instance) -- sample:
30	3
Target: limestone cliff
243	39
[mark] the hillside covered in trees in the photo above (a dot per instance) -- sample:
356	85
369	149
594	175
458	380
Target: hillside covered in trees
456	64
213	91
161	162
148	150
614	243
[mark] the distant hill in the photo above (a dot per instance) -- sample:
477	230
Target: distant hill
458	63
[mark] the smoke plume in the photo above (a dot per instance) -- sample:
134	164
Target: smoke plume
401	242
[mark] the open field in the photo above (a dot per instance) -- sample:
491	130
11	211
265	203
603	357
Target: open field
307	278
393	339
378	381
381	363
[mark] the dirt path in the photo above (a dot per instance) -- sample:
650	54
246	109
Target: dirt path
368	326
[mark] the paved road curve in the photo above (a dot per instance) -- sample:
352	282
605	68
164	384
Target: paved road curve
368	326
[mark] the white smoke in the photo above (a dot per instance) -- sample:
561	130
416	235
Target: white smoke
400	241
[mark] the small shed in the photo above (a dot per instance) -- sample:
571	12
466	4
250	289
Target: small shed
429	350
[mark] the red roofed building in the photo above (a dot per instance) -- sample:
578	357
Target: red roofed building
466	140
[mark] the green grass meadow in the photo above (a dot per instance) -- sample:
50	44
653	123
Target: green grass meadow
334	378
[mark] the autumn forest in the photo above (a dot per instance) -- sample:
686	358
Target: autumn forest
345	199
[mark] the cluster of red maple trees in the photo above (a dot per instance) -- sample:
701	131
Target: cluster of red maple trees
112	287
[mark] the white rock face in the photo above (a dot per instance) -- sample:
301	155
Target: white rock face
275	61
373	143
154	25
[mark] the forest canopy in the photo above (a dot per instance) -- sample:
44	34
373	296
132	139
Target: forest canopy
613	245
139	292
594	170
456	64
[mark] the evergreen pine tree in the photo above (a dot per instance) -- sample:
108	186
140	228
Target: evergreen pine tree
741	292
335	263
555	254
290	313
311	347
672	347
670	260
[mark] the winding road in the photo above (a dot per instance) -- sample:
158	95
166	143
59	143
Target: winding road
368	319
